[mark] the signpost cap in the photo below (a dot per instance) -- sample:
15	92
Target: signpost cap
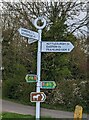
42	19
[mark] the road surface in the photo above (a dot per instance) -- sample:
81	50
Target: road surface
8	106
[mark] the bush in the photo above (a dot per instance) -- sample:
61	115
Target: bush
9	88
17	90
67	94
70	93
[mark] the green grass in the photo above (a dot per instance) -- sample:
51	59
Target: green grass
11	116
0	116
15	115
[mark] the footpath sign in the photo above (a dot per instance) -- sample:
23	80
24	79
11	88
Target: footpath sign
37	97
31	78
28	33
56	46
48	84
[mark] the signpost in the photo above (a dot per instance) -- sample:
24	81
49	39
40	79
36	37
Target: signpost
31	78
43	46
56	46
37	97
28	33
48	84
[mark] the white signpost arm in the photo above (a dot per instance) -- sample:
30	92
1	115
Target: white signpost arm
38	74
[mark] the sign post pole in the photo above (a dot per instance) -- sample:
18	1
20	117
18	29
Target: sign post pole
39	61
38	73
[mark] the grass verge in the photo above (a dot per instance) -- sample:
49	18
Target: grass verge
12	116
15	115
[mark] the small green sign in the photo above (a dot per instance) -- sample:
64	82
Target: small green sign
48	84
31	78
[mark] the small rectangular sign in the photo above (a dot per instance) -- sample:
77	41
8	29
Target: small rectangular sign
56	46
28	33
31	78
48	84
37	97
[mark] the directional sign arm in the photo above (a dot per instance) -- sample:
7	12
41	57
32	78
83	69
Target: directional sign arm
48	84
56	46
31	78
37	97
28	33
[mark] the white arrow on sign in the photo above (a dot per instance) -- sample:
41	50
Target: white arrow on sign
43	97
28	33
56	46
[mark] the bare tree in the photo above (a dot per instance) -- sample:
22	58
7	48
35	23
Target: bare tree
72	13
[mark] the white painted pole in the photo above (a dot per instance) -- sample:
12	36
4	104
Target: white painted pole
38	73
39	61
